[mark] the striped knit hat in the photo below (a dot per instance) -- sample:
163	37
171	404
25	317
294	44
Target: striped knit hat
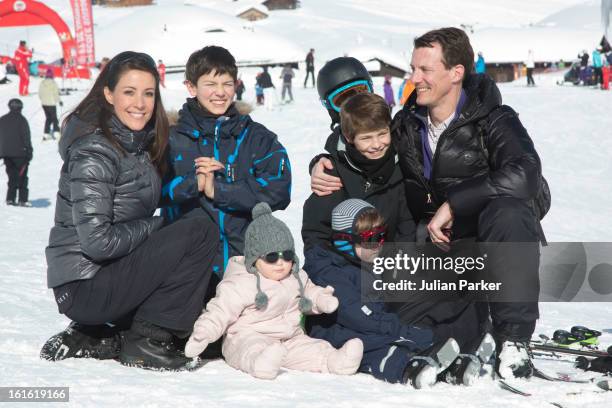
344	216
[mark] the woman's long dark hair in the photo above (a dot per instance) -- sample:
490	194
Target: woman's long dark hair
94	109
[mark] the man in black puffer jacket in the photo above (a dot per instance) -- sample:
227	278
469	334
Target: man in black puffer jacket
471	171
16	150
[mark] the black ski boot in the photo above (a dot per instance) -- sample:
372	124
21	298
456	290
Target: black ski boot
466	368
423	369
151	347
81	341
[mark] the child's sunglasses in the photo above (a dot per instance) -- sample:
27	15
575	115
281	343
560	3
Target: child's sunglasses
273	257
371	238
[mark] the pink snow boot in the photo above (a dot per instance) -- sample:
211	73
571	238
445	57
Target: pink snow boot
347	359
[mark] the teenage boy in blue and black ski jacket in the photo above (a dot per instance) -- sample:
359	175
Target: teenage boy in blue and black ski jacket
221	162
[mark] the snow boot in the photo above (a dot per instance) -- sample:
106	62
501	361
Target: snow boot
466	368
151	347
81	341
513	359
423	369
347	359
56	135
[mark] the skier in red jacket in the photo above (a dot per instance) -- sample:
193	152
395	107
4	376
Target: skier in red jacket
22	64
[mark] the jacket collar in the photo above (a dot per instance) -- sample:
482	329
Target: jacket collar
129	140
132	141
195	121
336	146
479	96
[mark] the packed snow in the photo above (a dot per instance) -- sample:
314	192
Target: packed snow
570	127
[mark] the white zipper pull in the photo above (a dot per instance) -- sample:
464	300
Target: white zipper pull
428	198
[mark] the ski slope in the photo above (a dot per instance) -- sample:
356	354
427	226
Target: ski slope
570	127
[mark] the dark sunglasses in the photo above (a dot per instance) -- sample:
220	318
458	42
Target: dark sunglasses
372	236
273	257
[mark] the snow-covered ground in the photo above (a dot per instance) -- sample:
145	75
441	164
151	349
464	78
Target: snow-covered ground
569	125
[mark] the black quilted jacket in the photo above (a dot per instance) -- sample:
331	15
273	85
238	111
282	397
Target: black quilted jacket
485	153
105	202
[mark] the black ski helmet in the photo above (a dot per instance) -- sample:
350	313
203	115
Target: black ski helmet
15	104
337	73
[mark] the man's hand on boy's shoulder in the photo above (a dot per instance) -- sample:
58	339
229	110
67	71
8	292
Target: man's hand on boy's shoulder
323	184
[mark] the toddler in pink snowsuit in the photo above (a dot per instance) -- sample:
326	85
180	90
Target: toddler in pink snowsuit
259	305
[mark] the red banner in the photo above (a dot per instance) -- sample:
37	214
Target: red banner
83	29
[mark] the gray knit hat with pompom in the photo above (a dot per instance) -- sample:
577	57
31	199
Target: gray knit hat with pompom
266	234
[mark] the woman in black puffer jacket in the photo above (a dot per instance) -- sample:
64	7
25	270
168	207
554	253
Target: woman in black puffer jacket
110	262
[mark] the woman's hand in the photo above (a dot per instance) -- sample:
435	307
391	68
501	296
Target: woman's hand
323	184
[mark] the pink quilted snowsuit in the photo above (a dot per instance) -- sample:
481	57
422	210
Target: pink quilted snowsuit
260	342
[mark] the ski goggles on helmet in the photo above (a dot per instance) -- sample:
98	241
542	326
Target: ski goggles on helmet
273	257
336	98
372	238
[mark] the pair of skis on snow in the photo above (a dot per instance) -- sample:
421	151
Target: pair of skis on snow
579	341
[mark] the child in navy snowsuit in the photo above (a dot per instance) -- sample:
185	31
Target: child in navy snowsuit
221	162
392	351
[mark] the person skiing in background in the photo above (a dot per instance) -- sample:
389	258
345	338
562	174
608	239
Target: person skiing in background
22	65
310	67
388	89
161	69
480	66
259	94
269	90
530	65
48	92
597	65
287	76
605	71
240	88
584	63
259	305
16	150
103	62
